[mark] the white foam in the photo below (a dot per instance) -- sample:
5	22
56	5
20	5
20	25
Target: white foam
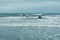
49	21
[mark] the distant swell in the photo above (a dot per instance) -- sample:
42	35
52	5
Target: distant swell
27	14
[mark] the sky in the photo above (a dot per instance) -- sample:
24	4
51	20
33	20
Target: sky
29	6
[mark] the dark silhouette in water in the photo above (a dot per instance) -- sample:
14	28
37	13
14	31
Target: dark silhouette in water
24	15
39	17
27	16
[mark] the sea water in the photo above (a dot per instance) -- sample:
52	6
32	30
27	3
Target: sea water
30	28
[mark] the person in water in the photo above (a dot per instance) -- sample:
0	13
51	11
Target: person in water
23	14
39	17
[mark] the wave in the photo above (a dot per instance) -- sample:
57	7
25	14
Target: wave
27	14
22	21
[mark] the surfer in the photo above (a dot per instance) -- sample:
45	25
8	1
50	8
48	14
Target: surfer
23	14
39	17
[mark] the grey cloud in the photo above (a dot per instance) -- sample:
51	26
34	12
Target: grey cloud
28	5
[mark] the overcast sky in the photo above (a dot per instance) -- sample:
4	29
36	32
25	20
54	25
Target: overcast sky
29	6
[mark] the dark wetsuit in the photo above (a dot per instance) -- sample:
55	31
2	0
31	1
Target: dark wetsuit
39	17
23	14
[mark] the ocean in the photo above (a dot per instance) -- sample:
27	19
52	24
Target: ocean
27	14
15	26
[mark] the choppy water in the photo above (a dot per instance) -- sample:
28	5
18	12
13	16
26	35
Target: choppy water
31	28
29	33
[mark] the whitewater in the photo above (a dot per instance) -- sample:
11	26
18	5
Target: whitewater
30	28
48	21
